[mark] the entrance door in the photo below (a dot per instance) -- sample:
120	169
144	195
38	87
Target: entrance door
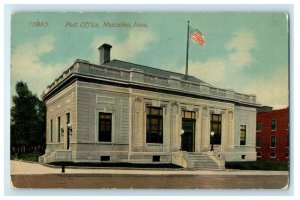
188	137
188	126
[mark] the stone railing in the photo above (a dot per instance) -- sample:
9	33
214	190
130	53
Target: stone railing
138	76
66	73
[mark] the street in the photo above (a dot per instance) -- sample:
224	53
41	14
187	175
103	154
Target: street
34	175
93	181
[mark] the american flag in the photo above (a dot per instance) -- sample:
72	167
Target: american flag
197	36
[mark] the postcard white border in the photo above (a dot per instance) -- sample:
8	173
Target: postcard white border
8	9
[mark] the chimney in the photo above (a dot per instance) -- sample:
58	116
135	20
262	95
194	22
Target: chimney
104	50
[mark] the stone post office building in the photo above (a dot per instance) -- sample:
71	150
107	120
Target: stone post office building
117	111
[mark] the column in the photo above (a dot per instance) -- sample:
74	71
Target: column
230	130
175	127
138	123
205	133
166	127
225	133
198	132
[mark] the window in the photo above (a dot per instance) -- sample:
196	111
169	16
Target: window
69	128
188	114
273	125
215	126
287	154
272	155
51	130
58	129
258	126
273	141
104	127
258	141
242	134
258	154
154	125
67	118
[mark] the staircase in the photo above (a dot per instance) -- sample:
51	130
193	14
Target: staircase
204	161
56	156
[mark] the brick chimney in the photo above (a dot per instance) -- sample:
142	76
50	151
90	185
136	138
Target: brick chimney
104	50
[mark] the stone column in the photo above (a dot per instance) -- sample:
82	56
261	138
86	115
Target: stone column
230	130
138	123
224	131
175	127
205	133
166	127
198	132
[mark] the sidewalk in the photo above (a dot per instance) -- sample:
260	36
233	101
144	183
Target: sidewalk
23	167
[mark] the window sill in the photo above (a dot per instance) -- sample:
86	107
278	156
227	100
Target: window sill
55	143
154	144
104	143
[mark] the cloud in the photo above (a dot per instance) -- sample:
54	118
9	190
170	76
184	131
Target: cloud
241	45
220	70
136	43
27	66
211	71
228	72
271	90
26	63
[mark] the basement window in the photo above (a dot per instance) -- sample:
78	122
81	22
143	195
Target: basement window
156	158
272	155
104	158
258	154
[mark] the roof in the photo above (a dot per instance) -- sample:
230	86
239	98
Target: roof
151	70
270	110
125	74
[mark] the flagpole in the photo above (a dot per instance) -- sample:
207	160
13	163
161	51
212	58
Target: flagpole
187	50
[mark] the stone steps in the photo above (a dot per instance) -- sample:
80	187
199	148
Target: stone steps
203	161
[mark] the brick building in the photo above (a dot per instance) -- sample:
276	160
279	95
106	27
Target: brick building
272	134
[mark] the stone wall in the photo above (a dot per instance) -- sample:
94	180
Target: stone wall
57	106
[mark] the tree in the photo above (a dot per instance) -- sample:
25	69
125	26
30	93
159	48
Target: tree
28	115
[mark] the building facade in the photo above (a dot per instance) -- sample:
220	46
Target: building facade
272	134
117	111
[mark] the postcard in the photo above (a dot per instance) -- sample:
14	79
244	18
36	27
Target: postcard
150	100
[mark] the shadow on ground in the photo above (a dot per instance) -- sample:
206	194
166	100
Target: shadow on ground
116	165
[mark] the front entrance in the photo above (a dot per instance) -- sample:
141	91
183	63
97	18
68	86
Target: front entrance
188	136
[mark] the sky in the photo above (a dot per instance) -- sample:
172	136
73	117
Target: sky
246	52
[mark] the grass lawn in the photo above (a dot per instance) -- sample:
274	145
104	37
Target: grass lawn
259	165
33	156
